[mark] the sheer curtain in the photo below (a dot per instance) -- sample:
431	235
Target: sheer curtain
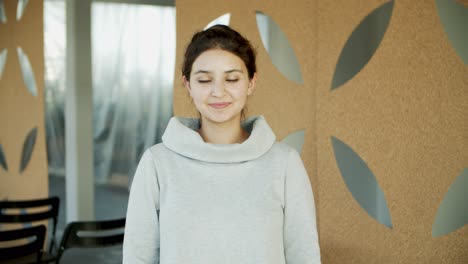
133	66
54	84
133	58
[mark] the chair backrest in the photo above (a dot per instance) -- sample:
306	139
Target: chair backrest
20	217
92	234
32	246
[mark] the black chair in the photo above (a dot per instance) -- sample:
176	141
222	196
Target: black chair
91	234
28	252
19	216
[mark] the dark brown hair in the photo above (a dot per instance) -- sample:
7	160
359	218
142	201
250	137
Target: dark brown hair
219	37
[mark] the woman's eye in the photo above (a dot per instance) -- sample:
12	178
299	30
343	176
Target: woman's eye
204	81
232	80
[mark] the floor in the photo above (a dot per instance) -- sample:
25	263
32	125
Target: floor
110	203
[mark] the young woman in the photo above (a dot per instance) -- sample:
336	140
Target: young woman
220	189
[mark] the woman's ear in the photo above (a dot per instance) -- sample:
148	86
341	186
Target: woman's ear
252	83
186	83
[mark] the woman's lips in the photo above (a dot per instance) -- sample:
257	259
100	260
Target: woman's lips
219	105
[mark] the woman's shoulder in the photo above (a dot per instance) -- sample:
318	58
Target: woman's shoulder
155	151
290	154
283	148
156	148
283	151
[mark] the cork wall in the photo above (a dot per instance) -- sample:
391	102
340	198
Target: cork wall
385	121
23	160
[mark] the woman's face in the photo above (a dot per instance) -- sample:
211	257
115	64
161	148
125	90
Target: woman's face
219	85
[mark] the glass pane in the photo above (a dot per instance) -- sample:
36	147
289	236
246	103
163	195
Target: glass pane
20	8
3	162
454	19
28	147
453	213
278	47
3	58
361	182
222	20
27	72
295	140
362	44
3	17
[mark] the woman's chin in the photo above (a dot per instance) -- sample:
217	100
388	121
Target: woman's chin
221	118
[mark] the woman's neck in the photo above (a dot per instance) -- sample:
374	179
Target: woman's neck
222	133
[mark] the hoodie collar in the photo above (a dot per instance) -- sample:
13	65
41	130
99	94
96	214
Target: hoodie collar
181	137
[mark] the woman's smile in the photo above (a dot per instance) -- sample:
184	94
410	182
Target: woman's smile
219	105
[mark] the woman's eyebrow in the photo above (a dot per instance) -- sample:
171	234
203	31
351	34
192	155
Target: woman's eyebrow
234	70
209	72
202	71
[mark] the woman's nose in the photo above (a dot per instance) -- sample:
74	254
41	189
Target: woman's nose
218	89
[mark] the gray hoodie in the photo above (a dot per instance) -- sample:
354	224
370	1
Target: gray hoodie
196	202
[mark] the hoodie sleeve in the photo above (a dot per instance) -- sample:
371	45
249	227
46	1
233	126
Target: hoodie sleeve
141	239
301	243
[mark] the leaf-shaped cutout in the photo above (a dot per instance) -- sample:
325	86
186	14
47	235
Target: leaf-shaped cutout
454	18
222	20
361	182
28	74
3	58
453	211
3	17
3	162
278	47
295	140
20	9
362	44
28	147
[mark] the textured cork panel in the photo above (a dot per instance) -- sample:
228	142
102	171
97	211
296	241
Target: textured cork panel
287	106
20	111
404	114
